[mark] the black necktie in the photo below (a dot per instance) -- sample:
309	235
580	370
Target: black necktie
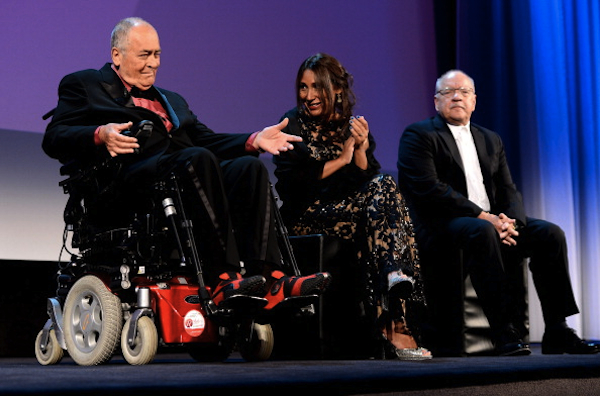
149	94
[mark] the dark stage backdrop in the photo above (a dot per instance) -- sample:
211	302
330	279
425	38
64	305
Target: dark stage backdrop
235	62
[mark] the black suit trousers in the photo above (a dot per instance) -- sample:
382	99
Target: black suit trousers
231	208
491	265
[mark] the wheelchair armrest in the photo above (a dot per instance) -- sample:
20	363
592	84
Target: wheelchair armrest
89	174
70	168
141	131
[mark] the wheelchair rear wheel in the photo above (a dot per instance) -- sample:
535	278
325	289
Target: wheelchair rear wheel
145	342
52	354
93	319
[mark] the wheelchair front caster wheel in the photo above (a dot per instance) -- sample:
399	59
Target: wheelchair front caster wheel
52	354
145	342
258	343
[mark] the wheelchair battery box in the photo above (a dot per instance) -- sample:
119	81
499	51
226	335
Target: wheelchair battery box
179	314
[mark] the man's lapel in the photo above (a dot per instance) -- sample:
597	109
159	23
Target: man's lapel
444	132
169	109
484	161
114	87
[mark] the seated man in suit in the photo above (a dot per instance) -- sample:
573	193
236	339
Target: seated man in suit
459	189
233	190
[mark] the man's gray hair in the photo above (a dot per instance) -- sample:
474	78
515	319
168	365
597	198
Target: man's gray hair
118	37
438	82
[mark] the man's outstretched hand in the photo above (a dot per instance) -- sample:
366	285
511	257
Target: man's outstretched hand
274	141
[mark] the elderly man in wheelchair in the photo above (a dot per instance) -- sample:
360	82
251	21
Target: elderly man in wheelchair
175	227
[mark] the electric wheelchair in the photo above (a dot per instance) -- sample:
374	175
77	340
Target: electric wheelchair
136	281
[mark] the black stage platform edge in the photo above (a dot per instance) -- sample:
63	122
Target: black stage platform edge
177	374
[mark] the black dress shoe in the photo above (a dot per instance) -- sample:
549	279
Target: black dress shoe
509	343
566	341
513	349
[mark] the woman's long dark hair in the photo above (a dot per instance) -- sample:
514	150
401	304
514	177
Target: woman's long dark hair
330	75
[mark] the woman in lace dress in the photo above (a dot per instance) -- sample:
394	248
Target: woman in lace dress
330	184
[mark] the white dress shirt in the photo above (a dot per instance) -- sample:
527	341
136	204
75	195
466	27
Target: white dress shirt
468	154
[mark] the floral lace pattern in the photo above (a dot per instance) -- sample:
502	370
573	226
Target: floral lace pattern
375	218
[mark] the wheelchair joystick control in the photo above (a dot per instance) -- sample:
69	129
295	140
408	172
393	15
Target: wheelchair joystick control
141	132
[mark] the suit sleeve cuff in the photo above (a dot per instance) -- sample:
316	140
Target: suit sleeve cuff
250	144
97	140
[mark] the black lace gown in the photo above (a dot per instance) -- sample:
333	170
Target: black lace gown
363	206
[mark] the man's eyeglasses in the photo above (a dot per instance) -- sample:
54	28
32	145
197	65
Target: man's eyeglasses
449	92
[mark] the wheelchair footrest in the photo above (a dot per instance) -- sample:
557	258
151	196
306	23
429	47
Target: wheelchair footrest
296	303
243	303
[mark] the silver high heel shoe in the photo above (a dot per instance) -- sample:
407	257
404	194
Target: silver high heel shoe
400	285
418	353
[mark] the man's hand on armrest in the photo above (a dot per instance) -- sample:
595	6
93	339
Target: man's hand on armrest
116	143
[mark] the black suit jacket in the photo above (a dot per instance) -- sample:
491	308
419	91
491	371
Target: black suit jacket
90	98
432	178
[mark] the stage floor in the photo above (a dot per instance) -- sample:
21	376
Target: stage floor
178	374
